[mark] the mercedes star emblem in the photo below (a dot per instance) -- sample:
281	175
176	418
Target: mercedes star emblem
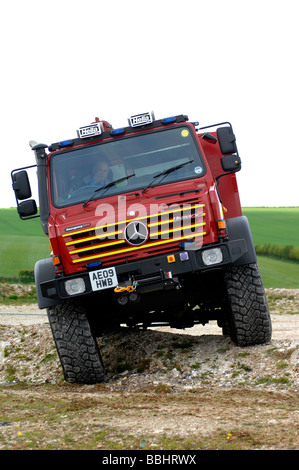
136	233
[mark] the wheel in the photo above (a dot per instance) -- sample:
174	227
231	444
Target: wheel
83	188
248	313
76	346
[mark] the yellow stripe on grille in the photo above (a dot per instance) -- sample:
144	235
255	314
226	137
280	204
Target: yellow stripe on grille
197	206
147	245
95	237
94	247
162	232
117	242
163	222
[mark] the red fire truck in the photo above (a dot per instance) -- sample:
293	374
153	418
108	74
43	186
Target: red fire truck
146	228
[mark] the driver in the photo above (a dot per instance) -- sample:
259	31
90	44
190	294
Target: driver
100	173
99	177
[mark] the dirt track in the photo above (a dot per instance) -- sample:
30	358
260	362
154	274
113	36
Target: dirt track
167	389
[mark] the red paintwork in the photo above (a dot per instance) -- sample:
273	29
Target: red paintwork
60	219
227	186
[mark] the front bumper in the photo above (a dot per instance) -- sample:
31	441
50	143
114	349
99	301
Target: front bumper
161	272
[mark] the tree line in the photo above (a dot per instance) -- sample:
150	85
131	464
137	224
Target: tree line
288	252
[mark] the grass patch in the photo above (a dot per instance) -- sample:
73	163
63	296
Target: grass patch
22	243
16	295
278	274
275	225
20	252
279	354
50	357
269	379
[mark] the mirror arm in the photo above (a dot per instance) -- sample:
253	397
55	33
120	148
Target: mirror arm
217	178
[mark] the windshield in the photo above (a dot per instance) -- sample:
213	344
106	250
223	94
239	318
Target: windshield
131	163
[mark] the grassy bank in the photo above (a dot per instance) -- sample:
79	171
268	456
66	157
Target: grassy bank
275	225
22	243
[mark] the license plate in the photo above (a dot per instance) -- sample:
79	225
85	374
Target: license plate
103	279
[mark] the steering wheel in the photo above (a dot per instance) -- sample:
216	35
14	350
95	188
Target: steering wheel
81	189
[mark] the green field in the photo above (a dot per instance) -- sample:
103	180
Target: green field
278	226
23	243
276	273
275	225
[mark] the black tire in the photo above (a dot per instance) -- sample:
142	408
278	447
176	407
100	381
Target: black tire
76	346
248	313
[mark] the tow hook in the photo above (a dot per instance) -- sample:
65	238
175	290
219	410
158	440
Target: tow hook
127	293
123	289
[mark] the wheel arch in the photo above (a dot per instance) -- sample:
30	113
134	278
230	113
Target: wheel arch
44	271
239	232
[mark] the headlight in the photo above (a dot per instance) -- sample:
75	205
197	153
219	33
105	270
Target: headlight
75	286
212	256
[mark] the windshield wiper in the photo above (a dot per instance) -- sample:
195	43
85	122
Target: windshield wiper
107	186
165	173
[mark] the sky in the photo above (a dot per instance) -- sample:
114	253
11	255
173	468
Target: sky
65	62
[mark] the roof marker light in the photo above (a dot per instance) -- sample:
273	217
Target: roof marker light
66	143
169	120
118	131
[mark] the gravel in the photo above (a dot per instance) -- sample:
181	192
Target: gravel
160	357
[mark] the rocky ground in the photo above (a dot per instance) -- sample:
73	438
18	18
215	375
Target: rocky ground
179	358
167	361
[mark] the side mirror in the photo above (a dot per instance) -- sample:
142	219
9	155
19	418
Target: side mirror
231	162
21	185
227	140
27	208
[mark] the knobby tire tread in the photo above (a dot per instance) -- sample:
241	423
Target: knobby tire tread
76	346
249	316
